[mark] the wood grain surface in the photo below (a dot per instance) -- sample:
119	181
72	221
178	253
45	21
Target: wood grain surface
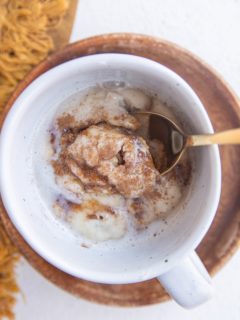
62	33
223	238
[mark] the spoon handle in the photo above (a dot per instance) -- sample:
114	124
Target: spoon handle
224	137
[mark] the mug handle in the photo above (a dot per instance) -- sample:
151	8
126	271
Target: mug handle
188	283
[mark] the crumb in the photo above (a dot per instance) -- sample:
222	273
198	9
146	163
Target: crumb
85	246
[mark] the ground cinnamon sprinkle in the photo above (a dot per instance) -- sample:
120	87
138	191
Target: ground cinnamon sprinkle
59	166
68	137
92	205
65	121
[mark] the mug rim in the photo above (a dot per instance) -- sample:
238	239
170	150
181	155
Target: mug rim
198	233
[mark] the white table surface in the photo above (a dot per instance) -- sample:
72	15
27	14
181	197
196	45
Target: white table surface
211	30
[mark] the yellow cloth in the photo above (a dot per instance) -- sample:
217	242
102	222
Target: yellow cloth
24	42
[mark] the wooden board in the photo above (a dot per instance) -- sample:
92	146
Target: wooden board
62	33
223	238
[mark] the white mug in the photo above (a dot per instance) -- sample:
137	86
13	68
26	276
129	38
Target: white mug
173	259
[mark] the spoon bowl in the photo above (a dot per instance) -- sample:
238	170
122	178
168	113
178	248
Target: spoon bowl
175	141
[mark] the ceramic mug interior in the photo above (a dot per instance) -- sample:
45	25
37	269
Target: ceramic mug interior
35	220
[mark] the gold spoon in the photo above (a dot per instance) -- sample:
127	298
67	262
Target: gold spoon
176	141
